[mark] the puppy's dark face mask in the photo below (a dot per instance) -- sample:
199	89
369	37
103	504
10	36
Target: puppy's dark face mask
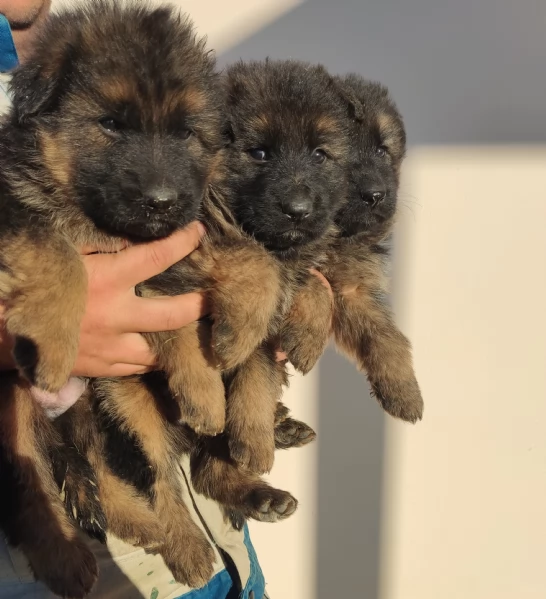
127	116
379	143
288	155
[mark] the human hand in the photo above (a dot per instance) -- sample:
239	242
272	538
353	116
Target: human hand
110	339
111	343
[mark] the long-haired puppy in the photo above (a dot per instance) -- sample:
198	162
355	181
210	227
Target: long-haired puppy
113	136
363	325
285	181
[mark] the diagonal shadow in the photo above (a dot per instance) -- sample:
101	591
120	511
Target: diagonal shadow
462	72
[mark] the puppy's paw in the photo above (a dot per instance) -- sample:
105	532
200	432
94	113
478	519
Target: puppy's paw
232	346
400	398
269	505
235	517
69	568
307	327
43	363
304	346
253	452
201	398
80	495
192	563
293	433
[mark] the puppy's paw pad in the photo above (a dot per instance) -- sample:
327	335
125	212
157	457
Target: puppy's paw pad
272	505
402	399
293	433
256	457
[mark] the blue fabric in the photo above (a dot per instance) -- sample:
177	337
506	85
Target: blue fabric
256	582
217	588
220	586
8	54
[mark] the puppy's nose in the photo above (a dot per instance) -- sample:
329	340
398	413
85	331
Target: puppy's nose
373	196
160	198
298	208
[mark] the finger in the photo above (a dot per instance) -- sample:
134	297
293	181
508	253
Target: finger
322	279
150	315
280	356
128	369
140	262
130	349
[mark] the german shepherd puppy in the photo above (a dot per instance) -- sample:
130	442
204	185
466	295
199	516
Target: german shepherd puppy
363	325
113	136
285	181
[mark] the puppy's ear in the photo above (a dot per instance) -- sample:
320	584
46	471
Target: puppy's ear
37	85
348	96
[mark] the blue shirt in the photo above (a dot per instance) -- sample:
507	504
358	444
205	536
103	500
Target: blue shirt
8	54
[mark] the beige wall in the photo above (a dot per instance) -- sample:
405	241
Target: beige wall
465	491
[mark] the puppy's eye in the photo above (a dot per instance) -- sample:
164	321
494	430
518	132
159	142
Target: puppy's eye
186	133
258	154
381	151
110	125
318	156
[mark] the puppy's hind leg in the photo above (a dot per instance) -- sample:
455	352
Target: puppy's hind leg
290	432
31	512
242	494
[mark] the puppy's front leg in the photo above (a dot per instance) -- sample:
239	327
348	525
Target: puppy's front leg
244	298
195	383
252	396
307	326
43	285
365	330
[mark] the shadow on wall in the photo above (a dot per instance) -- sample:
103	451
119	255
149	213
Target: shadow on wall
462	72
350	465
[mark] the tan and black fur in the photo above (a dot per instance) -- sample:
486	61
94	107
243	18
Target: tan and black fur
113	136
123	154
363	325
294	122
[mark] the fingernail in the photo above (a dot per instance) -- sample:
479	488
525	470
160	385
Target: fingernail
201	228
